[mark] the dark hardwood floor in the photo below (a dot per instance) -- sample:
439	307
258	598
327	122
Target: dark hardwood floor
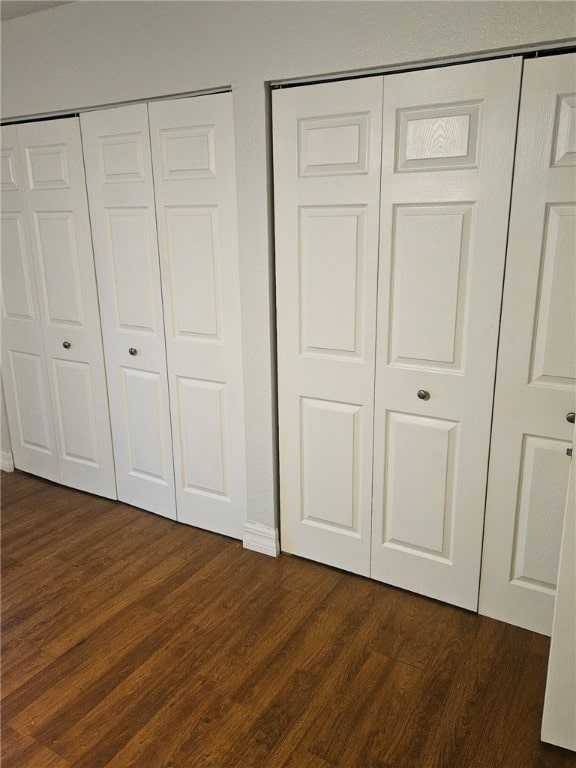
130	640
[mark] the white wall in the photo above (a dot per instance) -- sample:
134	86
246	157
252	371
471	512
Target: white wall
91	53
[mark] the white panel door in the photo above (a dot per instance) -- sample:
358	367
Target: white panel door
535	388
122	210
24	370
55	191
448	147
195	187
327	178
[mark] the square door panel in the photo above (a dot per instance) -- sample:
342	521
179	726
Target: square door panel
121	158
47	167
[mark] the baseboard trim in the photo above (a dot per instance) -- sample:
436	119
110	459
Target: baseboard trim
6	461
261	538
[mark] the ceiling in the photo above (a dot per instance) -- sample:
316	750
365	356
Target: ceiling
10	9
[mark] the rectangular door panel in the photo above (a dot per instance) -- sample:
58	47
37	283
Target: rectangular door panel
131	269
420	485
121	198
447	151
24	369
17	288
331	280
330	464
553	356
55	193
58	257
32	402
194	269
204	440
429	285
74	411
535	385
193	161
540	513
326	179
143	415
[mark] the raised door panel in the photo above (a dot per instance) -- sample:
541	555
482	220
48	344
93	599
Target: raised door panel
55	191
121	198
205	451
411	443
535	387
447	152
194	267
31	426
326	173
24	370
195	189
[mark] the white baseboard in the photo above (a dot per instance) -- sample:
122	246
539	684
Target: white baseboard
261	538
6	461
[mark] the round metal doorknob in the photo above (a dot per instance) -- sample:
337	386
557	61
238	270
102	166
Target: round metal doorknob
66	345
570	417
423	395
132	351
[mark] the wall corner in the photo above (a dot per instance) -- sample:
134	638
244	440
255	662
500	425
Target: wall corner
261	538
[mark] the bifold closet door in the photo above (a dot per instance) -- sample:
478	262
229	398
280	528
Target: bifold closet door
535	390
24	369
447	157
195	188
426	219
327	181
121	194
55	193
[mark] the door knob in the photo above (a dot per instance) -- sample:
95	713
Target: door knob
66	345
423	395
570	417
132	351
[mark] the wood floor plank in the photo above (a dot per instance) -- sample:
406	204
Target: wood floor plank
20	751
131	641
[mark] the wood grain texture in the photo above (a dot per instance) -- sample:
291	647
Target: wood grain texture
132	641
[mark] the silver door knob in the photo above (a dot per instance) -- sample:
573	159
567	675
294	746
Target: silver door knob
66	345
423	395
132	351
570	417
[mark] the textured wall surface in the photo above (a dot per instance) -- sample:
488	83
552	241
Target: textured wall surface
92	53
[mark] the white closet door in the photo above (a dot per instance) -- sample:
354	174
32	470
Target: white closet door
447	159
327	178
24	371
537	358
195	187
121	196
62	246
